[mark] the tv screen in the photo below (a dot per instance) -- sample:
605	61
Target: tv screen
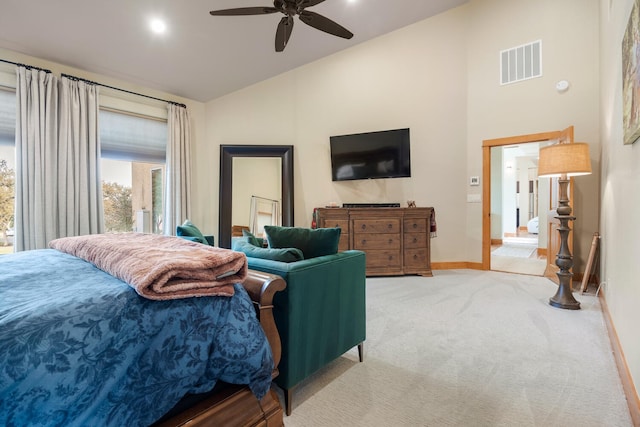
384	154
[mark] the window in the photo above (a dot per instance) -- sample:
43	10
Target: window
133	156
7	168
133	165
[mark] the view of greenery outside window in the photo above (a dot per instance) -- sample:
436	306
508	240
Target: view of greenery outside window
7	168
7	197
157	192
117	207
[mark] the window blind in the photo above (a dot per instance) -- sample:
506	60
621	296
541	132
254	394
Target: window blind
7	117
133	138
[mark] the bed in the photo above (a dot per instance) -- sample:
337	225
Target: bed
78	346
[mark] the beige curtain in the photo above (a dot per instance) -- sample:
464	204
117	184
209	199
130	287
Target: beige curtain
58	190
78	166
36	136
178	183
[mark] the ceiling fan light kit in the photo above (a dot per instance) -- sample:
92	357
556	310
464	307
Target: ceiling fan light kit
290	8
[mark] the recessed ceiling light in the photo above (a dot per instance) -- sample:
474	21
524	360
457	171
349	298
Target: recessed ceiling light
158	26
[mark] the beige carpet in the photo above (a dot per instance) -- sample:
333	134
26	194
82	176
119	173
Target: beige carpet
469	348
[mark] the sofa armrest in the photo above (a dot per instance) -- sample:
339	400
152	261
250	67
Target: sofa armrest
322	312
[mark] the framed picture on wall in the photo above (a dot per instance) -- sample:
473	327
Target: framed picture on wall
631	76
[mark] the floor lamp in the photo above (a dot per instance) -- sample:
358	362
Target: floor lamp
564	161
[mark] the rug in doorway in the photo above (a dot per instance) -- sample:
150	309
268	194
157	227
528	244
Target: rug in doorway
517	251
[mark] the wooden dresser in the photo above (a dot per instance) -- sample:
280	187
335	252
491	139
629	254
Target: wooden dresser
396	240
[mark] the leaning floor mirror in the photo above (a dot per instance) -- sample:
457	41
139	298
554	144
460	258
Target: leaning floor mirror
256	189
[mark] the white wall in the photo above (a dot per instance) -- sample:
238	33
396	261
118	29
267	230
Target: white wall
414	77
497	174
620	209
509	185
438	77
568	30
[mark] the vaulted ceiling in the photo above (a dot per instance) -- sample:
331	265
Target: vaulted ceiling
200	56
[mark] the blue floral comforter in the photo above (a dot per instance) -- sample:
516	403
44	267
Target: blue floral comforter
80	347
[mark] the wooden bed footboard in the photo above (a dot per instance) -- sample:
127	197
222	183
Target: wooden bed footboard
236	405
261	287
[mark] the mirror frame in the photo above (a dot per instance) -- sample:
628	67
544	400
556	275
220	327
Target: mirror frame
227	154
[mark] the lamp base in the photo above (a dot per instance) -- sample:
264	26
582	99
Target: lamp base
564	297
564	303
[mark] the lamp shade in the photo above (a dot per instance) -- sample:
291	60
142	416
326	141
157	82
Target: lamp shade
570	159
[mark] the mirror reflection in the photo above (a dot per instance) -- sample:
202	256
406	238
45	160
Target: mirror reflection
256	202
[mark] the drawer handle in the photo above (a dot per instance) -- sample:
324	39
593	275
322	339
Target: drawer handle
415	225
364	226
389	226
415	240
415	256
337	226
390	257
364	241
390	241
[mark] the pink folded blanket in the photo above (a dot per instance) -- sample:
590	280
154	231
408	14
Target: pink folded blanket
160	267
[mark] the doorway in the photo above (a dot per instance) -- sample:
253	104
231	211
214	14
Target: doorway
518	244
489	168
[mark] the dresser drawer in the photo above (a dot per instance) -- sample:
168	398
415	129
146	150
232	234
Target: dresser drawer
415	258
415	225
383	258
391	225
415	240
343	224
364	241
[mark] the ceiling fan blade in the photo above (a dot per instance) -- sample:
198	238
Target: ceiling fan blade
321	23
283	32
309	3
244	11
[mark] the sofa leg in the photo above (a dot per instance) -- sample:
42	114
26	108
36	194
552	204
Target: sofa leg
361	351
288	397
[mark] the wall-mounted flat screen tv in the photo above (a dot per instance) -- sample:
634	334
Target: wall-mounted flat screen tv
384	154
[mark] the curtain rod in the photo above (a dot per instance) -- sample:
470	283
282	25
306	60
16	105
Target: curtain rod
26	66
93	83
122	90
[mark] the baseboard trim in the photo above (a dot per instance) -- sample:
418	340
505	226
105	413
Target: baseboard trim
542	252
459	265
497	242
621	362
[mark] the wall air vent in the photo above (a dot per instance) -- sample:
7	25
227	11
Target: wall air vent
521	63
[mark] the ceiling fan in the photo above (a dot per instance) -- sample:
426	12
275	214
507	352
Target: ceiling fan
290	8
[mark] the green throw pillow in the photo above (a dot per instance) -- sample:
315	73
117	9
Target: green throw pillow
187	229
312	242
283	254
255	241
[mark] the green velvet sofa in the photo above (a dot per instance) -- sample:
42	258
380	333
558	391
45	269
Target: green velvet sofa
320	315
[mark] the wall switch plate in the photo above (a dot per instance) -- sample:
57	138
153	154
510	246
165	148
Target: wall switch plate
474	198
474	180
